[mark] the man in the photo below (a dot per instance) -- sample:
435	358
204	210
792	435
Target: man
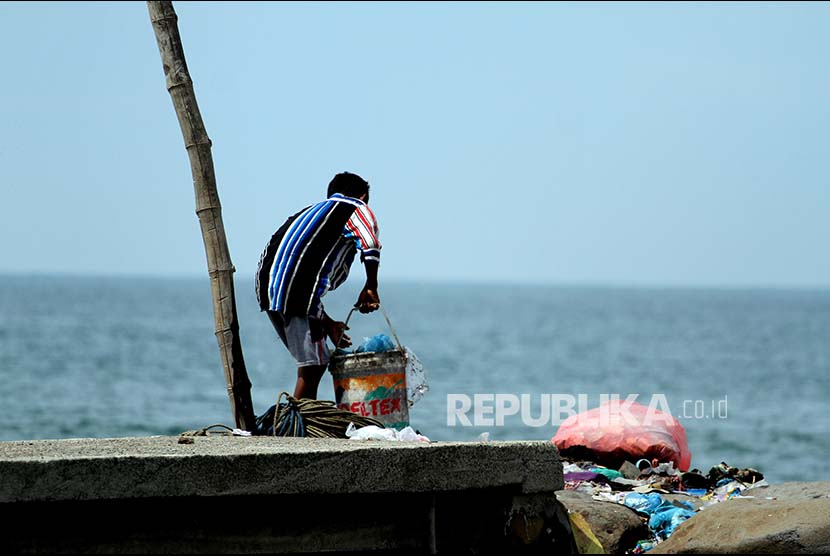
309	255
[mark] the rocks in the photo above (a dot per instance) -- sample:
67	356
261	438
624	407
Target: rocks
629	470
693	500
797	521
794	491
781	518
618	528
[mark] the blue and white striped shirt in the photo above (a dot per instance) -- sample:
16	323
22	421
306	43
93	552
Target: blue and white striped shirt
312	252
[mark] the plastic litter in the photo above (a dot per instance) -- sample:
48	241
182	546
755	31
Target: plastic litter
643	546
607	473
416	378
643	464
408	434
694	480
372	432
644	503
585	476
645	494
666	468
618	430
377	344
666	517
696	491
586	541
723	471
615	497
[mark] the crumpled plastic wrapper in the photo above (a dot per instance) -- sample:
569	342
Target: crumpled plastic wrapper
416	378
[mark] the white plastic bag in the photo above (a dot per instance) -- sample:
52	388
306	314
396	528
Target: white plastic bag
408	434
372	432
416	378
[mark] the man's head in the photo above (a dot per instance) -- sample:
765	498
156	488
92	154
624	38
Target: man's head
350	185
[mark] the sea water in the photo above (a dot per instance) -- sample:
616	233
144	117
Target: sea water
746	372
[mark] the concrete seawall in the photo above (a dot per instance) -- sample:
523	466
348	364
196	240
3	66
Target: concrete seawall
264	494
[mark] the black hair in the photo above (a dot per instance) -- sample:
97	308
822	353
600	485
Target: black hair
350	185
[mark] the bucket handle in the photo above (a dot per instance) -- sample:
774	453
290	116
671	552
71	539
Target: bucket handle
389	322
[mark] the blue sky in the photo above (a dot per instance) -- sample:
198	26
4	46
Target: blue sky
619	143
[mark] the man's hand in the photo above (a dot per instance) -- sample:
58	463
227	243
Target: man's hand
336	330
368	300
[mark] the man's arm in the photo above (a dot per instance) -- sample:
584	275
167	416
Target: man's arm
364	227
368	299
336	330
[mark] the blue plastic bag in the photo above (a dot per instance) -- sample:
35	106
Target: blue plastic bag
645	503
378	343
667	517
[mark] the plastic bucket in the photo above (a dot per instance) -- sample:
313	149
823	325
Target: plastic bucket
373	384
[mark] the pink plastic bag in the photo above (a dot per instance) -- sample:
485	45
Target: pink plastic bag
618	430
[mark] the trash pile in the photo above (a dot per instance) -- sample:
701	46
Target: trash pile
600	445
663	495
619	430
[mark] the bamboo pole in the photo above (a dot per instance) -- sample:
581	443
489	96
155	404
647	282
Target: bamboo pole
208	209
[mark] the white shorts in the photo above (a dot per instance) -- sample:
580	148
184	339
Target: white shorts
304	337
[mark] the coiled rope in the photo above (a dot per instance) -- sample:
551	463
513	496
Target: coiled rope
308	418
294	417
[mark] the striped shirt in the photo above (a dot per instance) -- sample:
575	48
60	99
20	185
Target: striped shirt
312	252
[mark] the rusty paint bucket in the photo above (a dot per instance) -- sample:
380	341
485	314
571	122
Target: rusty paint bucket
373	384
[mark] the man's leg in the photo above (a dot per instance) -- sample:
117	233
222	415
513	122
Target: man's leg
308	378
305	339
